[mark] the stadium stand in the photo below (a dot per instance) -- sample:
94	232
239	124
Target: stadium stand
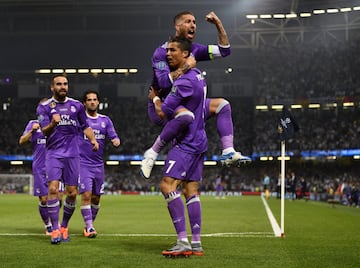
283	74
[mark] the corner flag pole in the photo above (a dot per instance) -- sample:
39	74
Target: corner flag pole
282	187
286	128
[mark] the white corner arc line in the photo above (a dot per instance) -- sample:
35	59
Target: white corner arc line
273	222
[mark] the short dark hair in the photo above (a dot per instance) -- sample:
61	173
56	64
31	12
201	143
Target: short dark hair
179	15
84	98
184	43
58	75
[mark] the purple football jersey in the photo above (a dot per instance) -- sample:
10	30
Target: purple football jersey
161	78
189	91
38	142
103	129
63	141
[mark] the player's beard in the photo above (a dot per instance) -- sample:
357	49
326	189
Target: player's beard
60	96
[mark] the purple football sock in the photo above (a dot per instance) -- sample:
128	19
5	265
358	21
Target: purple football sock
194	212
224	125
69	209
87	217
177	214
53	211
43	209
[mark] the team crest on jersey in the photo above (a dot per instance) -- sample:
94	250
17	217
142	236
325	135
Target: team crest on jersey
73	109
161	65
103	125
40	118
52	104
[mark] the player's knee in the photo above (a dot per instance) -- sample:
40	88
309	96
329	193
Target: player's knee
86	197
71	192
157	120
154	118
43	200
166	187
185	118
53	190
222	104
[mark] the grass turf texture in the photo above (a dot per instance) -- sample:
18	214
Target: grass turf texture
133	230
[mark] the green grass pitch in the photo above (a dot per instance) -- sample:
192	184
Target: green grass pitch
133	230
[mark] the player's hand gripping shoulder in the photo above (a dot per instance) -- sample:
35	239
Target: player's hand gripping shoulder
190	63
152	93
157	102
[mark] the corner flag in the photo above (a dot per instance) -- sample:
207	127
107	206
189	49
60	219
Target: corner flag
287	125
286	128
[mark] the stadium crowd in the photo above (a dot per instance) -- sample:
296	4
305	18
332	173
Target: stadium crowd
284	74
255	131
302	71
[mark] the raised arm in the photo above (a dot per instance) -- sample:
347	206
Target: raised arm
223	39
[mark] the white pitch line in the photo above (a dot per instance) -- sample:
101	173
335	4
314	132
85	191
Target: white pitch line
274	224
244	234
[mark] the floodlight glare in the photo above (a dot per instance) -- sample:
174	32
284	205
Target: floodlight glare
252	16
57	71
332	10
345	9
265	16
96	71
70	71
291	16
83	71
43	71
318	11
279	16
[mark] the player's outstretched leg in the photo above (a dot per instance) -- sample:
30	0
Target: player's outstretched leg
148	163
224	124
181	121
234	159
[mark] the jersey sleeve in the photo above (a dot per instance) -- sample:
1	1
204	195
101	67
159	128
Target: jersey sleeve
42	115
209	52
162	79
111	132
82	118
181	90
28	127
